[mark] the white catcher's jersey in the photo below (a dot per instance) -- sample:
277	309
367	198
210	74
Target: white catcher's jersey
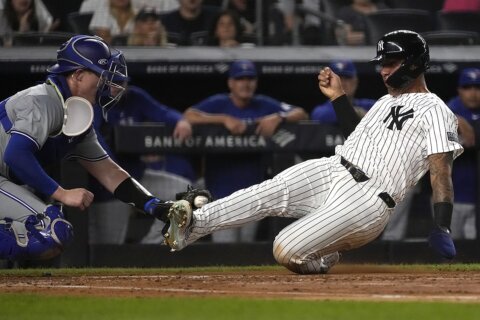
392	142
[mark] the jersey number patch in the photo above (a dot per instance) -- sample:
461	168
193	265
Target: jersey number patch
397	117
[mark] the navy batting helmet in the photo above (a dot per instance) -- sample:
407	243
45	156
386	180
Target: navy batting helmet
409	46
94	54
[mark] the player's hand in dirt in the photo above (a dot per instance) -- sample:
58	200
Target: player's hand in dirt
442	243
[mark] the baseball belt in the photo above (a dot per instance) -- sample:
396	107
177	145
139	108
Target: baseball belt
360	176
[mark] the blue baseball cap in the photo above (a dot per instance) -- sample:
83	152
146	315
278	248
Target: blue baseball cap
344	68
469	76
242	68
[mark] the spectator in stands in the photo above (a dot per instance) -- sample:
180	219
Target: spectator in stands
325	113
148	29
461	6
464	173
310	32
160	5
246	11
167	175
354	17
93	5
189	24
115	19
226	30
24	16
237	110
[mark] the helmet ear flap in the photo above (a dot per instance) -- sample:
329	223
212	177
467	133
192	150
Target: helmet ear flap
410	69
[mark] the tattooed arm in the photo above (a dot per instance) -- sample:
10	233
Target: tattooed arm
441	176
442	193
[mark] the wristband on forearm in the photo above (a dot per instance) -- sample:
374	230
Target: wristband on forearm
132	192
346	115
442	214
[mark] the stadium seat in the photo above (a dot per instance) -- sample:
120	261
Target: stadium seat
80	22
40	38
452	38
468	21
383	21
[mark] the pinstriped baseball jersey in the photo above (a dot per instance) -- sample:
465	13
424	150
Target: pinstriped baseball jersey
336	209
392	142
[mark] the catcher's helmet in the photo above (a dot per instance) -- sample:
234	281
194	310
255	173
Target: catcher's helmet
407	45
94	54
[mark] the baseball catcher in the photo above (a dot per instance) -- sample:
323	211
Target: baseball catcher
46	123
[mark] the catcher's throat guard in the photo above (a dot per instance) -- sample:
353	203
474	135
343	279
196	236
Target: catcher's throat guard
78	116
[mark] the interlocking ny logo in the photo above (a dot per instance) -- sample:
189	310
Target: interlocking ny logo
398	118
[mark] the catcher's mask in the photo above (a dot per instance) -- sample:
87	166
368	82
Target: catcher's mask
409	46
78	116
94	54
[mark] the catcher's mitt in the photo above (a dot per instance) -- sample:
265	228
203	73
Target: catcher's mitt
196	197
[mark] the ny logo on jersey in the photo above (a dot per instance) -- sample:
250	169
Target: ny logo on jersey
398	118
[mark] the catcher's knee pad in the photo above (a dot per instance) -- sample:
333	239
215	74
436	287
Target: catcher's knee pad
40	237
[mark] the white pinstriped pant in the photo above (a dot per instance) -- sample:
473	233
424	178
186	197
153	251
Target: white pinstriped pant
334	212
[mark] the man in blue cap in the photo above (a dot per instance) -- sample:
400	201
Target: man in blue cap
237	110
348	75
464	176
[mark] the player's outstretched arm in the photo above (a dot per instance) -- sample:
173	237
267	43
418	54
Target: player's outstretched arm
125	188
442	194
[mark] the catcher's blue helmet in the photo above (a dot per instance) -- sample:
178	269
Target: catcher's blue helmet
409	46
94	54
82	52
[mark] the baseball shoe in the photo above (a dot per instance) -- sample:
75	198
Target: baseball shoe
328	261
180	218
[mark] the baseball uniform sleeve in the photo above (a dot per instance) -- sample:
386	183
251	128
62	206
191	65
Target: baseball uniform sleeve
441	131
35	117
19	156
88	149
213	104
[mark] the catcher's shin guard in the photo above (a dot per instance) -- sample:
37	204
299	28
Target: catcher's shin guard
40	237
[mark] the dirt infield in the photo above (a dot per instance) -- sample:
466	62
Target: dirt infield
345	282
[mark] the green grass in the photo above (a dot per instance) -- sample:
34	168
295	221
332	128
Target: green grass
43	306
33	307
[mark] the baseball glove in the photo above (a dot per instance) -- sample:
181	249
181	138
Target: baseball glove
196	197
